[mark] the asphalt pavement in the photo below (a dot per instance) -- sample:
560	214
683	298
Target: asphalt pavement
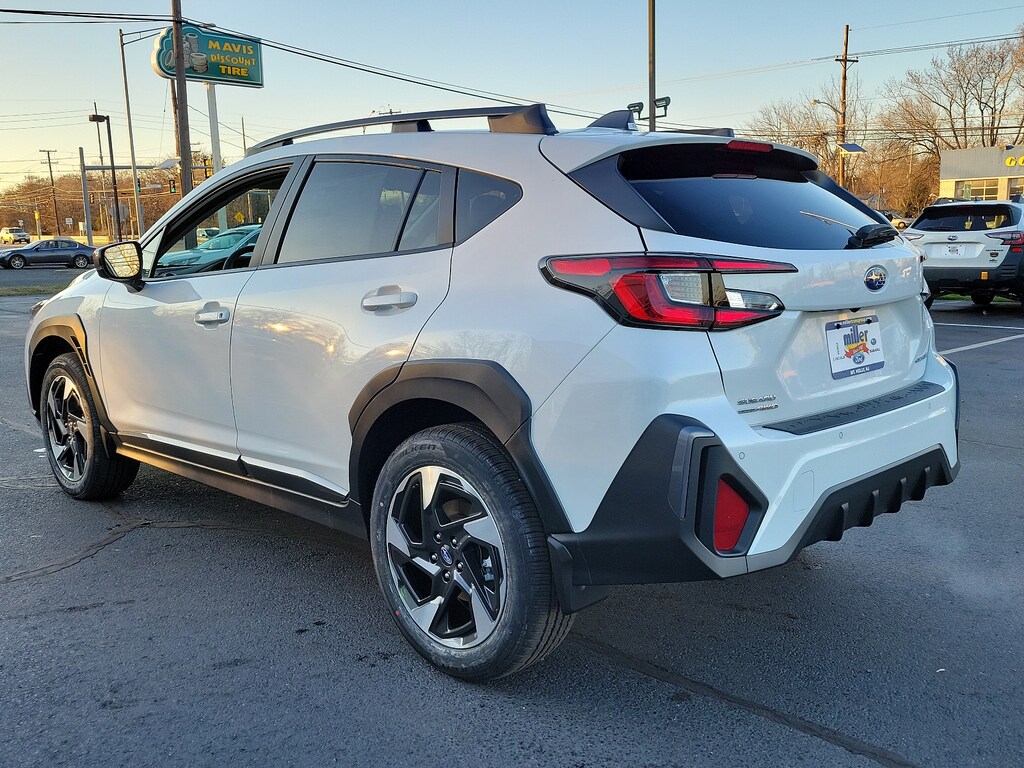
179	625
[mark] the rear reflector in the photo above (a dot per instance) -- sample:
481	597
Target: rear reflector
731	513
668	290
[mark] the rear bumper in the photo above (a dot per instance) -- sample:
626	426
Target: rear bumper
656	520
1003	277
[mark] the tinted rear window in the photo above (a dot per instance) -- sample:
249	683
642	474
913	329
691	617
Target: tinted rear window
966	218
764	199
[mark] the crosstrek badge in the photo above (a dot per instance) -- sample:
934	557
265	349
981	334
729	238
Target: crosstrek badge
854	346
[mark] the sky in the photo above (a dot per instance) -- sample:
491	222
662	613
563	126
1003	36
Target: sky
719	63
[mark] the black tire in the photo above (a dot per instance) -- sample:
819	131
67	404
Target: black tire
466	573
71	432
982	299
16	261
81	261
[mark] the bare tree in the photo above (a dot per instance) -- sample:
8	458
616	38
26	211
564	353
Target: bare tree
812	124
970	98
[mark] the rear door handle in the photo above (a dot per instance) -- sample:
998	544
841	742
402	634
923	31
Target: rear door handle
389	297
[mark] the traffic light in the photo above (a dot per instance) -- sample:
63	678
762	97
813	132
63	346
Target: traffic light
172	185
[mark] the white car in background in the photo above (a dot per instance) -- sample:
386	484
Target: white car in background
972	247
525	364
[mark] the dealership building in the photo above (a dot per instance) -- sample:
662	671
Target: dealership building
987	173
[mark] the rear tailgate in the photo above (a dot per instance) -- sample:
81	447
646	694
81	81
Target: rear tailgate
836	344
853	326
968	235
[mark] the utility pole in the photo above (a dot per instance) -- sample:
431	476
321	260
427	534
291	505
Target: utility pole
844	61
53	191
651	95
184	140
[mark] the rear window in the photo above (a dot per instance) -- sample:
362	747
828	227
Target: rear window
764	199
966	218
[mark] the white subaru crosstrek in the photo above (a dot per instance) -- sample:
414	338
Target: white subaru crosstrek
524	364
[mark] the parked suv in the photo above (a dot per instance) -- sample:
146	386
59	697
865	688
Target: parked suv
13	235
526	365
972	248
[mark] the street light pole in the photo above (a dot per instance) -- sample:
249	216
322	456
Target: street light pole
53	191
113	170
131	139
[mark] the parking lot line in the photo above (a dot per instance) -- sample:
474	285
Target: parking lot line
973	325
981	344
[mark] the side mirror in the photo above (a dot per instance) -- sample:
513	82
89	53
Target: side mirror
121	262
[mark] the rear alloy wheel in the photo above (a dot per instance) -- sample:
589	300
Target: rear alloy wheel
73	439
81	261
16	262
982	299
461	555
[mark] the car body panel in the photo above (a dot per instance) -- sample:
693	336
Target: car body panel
302	340
164	376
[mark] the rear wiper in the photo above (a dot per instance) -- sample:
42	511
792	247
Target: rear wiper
867	236
871	235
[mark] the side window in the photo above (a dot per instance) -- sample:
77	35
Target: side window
349	209
238	212
480	199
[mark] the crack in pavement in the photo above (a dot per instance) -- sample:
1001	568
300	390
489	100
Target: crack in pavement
851	744
34	431
133	524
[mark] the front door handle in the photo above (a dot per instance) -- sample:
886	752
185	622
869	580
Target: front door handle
212	314
389	297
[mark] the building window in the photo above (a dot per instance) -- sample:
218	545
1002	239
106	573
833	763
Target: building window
981	189
1015	187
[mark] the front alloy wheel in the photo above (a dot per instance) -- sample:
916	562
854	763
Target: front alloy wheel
16	262
71	430
67	434
461	555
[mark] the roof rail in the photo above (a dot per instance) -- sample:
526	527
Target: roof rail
534	120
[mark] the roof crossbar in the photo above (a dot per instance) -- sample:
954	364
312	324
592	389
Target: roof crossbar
400	122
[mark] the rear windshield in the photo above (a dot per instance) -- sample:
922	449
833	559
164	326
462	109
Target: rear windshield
764	199
966	218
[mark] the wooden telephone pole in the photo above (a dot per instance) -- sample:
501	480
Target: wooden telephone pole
844	61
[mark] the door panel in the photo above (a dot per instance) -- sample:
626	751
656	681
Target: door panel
304	346
165	370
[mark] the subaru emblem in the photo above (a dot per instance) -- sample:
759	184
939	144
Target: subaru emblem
951	237
875	278
446	555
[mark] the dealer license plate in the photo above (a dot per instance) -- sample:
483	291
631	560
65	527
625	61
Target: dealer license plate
954	250
854	346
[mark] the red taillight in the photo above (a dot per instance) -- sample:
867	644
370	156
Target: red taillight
1013	239
731	513
664	290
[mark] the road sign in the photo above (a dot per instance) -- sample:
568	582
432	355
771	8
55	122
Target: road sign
68	221
211	57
